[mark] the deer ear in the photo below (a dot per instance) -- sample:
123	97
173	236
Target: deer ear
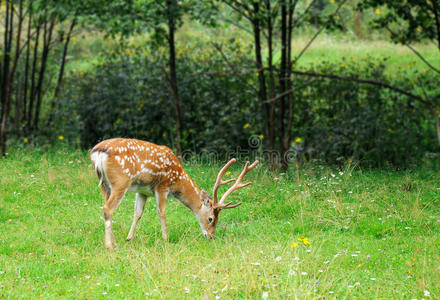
204	198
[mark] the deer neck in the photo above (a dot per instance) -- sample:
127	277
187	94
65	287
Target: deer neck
187	192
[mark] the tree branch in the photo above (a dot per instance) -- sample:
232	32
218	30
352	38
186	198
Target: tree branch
416	52
364	81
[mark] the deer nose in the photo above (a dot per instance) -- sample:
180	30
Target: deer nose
208	236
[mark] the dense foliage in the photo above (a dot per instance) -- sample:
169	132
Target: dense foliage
337	120
221	76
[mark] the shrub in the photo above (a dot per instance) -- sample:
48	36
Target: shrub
127	95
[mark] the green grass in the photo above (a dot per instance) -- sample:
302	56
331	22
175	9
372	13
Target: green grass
327	47
373	234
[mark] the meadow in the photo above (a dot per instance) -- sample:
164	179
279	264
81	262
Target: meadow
315	232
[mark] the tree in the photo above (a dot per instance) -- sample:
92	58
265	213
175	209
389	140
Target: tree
408	22
272	24
40	21
162	19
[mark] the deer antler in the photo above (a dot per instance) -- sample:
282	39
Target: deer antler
237	185
220	181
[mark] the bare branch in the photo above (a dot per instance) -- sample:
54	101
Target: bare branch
317	33
289	91
364	81
416	52
219	49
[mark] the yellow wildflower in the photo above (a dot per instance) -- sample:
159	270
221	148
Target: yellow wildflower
378	12
304	240
246	125
298	140
293	245
61	137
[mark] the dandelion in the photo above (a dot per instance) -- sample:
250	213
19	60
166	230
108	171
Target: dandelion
304	240
298	140
228	173
61	137
377	12
261	136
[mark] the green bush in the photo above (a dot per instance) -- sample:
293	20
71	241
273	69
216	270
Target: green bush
127	95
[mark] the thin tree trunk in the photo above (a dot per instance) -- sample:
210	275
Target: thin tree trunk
283	86
60	73
33	73
262	91
288	133
46	47
435	10
6	56
171	7
26	68
270	63
10	76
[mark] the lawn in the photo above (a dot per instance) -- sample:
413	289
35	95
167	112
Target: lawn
316	232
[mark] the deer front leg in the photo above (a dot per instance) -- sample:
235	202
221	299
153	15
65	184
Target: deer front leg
138	210
161	198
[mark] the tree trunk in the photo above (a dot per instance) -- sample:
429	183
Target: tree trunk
33	73
10	76
272	88
262	90
288	132
26	68
60	73
46	47
171	11
282	80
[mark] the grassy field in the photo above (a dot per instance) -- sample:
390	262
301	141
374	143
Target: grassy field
313	233
338	48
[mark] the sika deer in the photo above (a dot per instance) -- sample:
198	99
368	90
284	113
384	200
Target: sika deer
145	168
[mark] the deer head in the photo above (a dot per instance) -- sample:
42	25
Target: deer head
211	207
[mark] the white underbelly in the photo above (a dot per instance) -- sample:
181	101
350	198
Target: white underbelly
141	189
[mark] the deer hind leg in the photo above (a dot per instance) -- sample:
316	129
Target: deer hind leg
139	205
109	207
161	199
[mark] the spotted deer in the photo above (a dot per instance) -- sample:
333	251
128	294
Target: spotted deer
145	168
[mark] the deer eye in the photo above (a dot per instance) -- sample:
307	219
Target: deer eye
210	219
